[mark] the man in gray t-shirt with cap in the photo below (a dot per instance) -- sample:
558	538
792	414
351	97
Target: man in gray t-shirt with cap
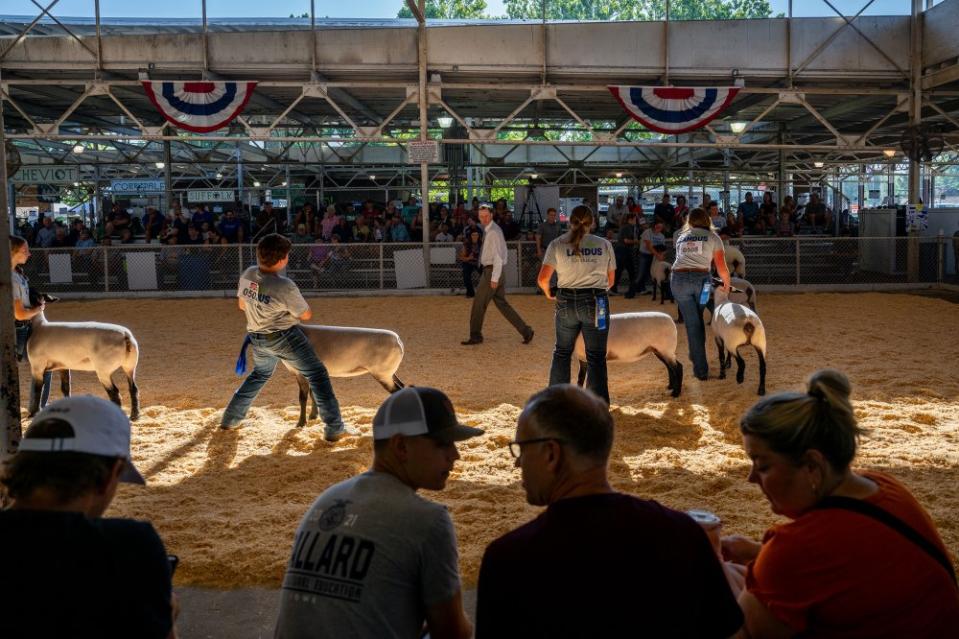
371	558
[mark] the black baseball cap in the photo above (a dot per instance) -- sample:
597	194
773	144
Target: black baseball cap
420	410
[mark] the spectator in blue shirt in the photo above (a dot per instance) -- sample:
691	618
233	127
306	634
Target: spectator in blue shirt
747	213
231	228
398	231
201	215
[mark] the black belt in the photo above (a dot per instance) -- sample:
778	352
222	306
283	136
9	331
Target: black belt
273	334
21	323
582	291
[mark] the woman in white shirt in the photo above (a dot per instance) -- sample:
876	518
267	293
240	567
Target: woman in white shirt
23	312
697	249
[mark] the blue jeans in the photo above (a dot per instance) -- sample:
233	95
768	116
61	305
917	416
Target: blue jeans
292	346
575	314
687	287
23	334
645	262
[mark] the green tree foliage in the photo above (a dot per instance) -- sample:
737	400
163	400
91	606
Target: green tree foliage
450	9
638	9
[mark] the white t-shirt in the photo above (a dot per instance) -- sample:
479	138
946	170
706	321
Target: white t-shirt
587	269
695	248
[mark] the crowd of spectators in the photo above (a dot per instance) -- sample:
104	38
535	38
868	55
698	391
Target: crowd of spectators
853	555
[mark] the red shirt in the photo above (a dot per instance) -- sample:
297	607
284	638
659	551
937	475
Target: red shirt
837	573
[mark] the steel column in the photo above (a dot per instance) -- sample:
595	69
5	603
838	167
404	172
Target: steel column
10	432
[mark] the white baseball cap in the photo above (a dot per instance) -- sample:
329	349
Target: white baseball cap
99	428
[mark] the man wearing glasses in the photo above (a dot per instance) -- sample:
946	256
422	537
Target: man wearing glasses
596	562
371	558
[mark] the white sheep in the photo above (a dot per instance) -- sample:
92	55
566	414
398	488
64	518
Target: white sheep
659	271
735	260
348	352
735	325
82	346
634	335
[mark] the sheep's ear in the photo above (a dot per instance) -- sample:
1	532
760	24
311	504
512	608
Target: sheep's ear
50	298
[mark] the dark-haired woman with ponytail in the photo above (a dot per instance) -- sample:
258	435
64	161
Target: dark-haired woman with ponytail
23	312
586	269
860	557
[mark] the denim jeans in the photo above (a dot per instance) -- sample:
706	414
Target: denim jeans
23	334
687	287
575	314
625	262
292	346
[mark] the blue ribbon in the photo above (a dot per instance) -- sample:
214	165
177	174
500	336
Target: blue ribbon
241	360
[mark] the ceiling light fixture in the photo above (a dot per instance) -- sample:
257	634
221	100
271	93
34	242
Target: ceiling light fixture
889	152
219	176
372	177
738	126
256	185
78	149
160	165
619	175
818	165
445	121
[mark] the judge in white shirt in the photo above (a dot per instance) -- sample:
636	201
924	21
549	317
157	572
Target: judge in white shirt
491	287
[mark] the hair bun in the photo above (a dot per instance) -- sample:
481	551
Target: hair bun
830	385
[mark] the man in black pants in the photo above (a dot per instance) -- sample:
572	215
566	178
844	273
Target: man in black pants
626	247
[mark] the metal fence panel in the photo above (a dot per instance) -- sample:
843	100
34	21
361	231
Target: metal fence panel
316	268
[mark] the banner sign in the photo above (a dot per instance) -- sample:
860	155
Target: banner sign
674	110
200	107
211	195
135	187
47	174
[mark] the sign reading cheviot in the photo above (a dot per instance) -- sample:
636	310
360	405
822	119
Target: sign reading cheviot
47	174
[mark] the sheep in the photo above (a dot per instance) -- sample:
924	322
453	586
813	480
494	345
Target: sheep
633	335
742	292
659	271
347	352
82	346
735	260
735	325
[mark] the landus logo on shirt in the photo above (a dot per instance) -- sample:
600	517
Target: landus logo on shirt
332	567
584	252
251	291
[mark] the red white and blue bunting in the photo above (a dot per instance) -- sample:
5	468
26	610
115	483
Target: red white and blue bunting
200	107
674	109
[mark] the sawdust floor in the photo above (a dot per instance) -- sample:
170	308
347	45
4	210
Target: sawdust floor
228	503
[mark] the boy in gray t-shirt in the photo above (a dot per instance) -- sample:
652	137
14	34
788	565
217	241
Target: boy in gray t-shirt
371	558
274	307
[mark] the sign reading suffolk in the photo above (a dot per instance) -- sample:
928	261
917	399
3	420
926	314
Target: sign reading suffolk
47	174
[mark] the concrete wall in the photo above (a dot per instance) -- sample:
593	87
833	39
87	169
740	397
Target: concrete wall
939	38
697	48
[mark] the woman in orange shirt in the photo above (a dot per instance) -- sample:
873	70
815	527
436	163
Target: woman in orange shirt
860	558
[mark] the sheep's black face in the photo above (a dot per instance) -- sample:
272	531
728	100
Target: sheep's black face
36	297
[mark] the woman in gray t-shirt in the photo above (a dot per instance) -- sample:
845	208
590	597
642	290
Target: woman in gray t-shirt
586	270
697	249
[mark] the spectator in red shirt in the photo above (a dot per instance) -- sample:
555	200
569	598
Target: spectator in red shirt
860	558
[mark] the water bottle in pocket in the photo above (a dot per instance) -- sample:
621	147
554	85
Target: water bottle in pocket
704	296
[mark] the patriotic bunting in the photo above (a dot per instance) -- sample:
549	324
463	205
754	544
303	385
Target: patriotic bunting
674	109
200	107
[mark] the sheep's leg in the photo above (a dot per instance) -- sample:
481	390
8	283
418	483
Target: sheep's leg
740	368
35	395
65	382
112	391
677	378
391	384
669	369
720	346
762	372
581	376
655	286
134	398
303	395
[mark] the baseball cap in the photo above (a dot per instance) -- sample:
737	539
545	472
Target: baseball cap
420	410
99	428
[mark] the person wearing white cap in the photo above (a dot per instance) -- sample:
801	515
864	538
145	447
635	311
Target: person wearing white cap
373	559
73	572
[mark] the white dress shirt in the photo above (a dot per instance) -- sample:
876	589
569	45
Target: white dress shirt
494	250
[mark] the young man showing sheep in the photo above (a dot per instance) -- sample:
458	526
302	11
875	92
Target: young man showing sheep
274	308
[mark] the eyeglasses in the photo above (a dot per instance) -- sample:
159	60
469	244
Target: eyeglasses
516	447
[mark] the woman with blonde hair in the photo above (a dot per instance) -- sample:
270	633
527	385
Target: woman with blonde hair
586	269
860	557
697	249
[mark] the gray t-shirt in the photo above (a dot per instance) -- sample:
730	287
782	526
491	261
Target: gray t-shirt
273	302
548	232
654	238
695	248
588	269
21	289
369	558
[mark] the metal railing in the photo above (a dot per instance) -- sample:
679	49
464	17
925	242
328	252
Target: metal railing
147	269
